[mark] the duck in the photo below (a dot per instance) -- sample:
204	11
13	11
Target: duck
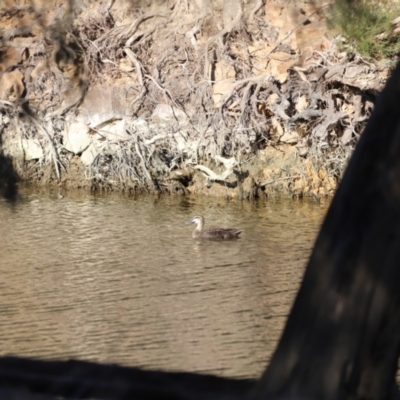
212	232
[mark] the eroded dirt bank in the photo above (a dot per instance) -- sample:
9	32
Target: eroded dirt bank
228	98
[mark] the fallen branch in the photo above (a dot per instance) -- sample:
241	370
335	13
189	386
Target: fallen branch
122	32
229	164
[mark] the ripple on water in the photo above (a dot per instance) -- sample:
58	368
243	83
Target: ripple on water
116	279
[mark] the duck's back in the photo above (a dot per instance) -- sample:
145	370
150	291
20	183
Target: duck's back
214	232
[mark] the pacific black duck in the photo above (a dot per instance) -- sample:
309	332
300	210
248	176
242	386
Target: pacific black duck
212	232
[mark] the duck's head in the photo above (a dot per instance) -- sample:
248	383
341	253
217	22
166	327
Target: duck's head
198	220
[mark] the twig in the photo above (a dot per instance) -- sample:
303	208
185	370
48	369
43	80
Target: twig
256	7
53	150
156	138
138	67
219	35
237	85
142	162
166	91
277	180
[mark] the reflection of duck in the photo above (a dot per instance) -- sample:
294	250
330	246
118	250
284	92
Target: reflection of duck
212	232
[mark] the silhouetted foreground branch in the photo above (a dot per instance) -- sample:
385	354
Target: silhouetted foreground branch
79	380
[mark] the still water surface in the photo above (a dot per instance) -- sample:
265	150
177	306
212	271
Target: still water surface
115	279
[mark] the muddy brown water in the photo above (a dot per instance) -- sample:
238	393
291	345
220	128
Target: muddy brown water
115	279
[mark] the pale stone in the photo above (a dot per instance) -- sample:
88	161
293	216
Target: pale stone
302	148
90	154
224	71
301	103
164	112
180	142
290	137
125	65
183	144
224	79
347	136
76	137
220	89
140	124
277	126
32	149
105	103
279	69
272	99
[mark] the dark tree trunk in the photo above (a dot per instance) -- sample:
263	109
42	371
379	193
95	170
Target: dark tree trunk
342	336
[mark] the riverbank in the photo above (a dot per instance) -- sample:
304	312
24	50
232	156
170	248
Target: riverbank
243	101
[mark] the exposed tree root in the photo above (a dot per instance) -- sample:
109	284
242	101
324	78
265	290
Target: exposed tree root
231	102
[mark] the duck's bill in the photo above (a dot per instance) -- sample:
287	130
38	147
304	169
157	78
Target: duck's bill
190	222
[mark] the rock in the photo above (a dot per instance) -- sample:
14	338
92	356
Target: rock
303	148
277	127
303	151
164	112
77	138
290	137
301	103
279	68
11	85
104	103
220	89
90	154
347	136
32	149
140	124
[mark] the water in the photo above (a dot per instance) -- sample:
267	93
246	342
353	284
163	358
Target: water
116	279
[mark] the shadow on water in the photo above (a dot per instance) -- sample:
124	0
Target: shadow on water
8	179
